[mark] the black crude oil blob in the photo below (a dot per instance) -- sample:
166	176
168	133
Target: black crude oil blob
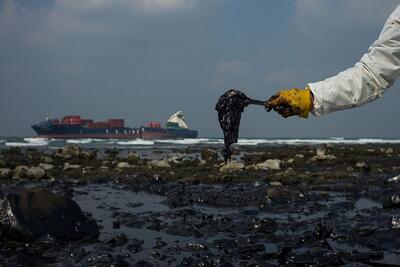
230	107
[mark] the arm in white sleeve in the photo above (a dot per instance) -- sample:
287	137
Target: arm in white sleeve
368	79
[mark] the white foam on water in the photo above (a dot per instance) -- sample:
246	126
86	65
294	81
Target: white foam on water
253	142
294	141
191	141
335	140
378	141
136	142
29	142
83	141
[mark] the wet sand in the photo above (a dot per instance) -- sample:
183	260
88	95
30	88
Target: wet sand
282	205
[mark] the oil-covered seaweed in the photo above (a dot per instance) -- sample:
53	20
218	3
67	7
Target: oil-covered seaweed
230	107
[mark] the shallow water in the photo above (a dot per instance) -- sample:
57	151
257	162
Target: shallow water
26	142
102	200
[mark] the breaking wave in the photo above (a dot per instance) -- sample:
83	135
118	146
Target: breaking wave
136	142
294	141
29	142
56	143
298	141
378	141
191	141
83	141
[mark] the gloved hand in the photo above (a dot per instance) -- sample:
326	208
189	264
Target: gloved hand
291	102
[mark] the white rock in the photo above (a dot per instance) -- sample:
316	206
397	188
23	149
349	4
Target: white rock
20	171
275	183
394	179
209	155
361	164
68	167
36	172
46	166
46	159
350	169
299	156
232	166
321	150
159	164
322	157
270	164
123	165
290	161
176	158
71	150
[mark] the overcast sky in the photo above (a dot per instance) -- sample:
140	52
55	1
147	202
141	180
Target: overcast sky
143	60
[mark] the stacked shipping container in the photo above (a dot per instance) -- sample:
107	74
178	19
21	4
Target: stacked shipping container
76	120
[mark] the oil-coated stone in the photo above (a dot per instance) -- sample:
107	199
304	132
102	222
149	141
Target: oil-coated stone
28	214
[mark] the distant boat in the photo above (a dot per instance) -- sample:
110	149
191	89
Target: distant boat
74	127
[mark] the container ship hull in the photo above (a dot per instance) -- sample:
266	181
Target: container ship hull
162	133
72	127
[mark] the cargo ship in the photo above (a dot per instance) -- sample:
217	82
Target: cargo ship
75	127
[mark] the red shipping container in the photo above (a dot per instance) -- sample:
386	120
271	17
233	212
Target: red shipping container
87	122
116	123
154	124
100	124
72	120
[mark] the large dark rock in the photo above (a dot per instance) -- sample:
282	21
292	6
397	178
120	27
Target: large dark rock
28	214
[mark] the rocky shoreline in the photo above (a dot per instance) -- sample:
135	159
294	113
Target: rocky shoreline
328	205
285	164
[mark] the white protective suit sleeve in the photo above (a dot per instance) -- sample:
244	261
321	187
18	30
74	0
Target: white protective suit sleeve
368	79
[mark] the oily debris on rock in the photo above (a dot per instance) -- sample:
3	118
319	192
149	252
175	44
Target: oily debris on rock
230	107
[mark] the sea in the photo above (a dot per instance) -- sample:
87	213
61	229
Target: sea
34	142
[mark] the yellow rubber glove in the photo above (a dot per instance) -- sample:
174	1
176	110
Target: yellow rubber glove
291	102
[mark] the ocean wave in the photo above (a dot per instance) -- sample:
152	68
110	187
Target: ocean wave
29	142
294	141
83	141
191	141
337	138
253	142
299	141
136	142
378	141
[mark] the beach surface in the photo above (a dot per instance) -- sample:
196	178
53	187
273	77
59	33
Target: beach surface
312	202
